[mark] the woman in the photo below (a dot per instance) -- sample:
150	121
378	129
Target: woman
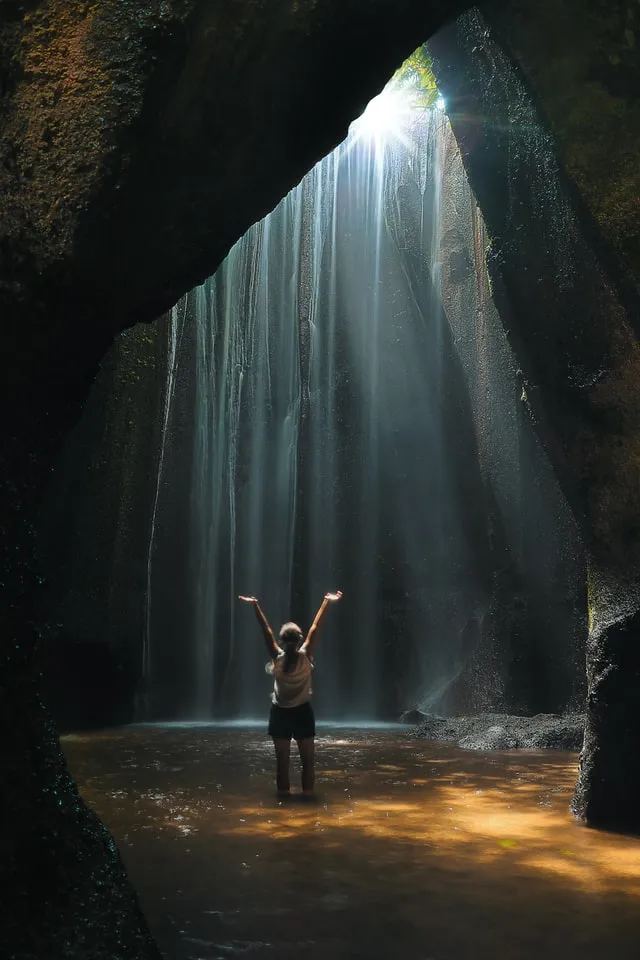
291	711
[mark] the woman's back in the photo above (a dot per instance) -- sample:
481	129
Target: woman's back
292	679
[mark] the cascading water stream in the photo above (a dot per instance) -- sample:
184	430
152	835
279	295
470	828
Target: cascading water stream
339	434
314	441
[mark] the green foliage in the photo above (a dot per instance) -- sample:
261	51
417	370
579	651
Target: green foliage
416	75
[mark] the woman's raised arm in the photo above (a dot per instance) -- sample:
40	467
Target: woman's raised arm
269	639
310	640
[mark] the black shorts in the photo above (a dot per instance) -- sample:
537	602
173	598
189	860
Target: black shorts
297	723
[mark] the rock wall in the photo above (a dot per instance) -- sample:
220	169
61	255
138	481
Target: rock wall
528	646
581	64
94	531
571	328
587	90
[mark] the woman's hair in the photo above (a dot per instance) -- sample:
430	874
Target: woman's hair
290	636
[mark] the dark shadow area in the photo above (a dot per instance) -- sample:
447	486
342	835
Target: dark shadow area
89	684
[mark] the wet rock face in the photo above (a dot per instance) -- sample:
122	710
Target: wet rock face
65	889
609	780
565	295
582	63
497	731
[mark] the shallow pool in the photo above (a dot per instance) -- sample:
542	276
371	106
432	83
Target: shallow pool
415	850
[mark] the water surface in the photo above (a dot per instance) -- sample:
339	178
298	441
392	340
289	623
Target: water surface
415	850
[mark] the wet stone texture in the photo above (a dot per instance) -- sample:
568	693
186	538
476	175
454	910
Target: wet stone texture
495	731
67	872
570	320
414	849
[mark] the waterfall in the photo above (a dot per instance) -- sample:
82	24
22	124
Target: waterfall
337	376
318	447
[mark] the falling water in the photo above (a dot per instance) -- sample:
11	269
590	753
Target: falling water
343	413
320	360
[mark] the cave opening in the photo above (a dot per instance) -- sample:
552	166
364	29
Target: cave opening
338	405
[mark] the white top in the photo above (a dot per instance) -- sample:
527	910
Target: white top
293	688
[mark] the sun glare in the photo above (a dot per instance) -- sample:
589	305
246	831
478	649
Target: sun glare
387	117
383	114
391	116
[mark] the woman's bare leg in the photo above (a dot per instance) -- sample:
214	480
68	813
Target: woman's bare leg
307	757
283	753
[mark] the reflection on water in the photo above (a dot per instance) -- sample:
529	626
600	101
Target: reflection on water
414	850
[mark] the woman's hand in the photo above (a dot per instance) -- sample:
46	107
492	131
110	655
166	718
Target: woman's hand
332	597
253	600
